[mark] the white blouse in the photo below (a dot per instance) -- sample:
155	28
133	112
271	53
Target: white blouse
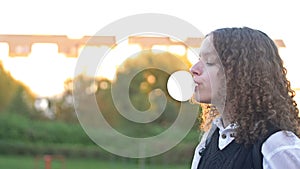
280	151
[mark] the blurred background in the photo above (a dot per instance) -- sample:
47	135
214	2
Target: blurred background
40	42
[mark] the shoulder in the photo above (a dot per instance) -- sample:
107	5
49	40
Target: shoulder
280	140
283	147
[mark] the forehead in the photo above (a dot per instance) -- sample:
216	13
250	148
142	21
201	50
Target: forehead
207	49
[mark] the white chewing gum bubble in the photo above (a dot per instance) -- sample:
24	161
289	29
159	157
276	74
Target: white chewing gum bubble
181	85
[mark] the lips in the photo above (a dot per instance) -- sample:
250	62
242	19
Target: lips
196	83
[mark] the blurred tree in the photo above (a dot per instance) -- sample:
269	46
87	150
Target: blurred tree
153	73
15	96
22	101
8	87
100	87
150	73
63	105
106	104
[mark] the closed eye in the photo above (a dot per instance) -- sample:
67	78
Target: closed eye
209	64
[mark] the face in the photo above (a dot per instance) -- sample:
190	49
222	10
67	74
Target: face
206	73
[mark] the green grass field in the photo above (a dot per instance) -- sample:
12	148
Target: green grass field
26	162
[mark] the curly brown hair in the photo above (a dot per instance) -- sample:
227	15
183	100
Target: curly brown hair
258	93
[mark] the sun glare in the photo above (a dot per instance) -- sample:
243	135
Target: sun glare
159	48
45	70
177	49
114	58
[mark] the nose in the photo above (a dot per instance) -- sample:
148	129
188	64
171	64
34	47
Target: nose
196	69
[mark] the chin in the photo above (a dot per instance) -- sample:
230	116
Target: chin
205	102
201	99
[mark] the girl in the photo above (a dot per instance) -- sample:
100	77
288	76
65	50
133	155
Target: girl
242	82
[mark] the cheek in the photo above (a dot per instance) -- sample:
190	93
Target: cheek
216	82
218	88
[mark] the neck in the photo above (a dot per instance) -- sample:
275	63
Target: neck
225	120
225	116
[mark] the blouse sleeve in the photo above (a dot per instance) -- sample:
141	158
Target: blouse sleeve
281	150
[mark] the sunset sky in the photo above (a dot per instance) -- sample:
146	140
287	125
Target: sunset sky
86	17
